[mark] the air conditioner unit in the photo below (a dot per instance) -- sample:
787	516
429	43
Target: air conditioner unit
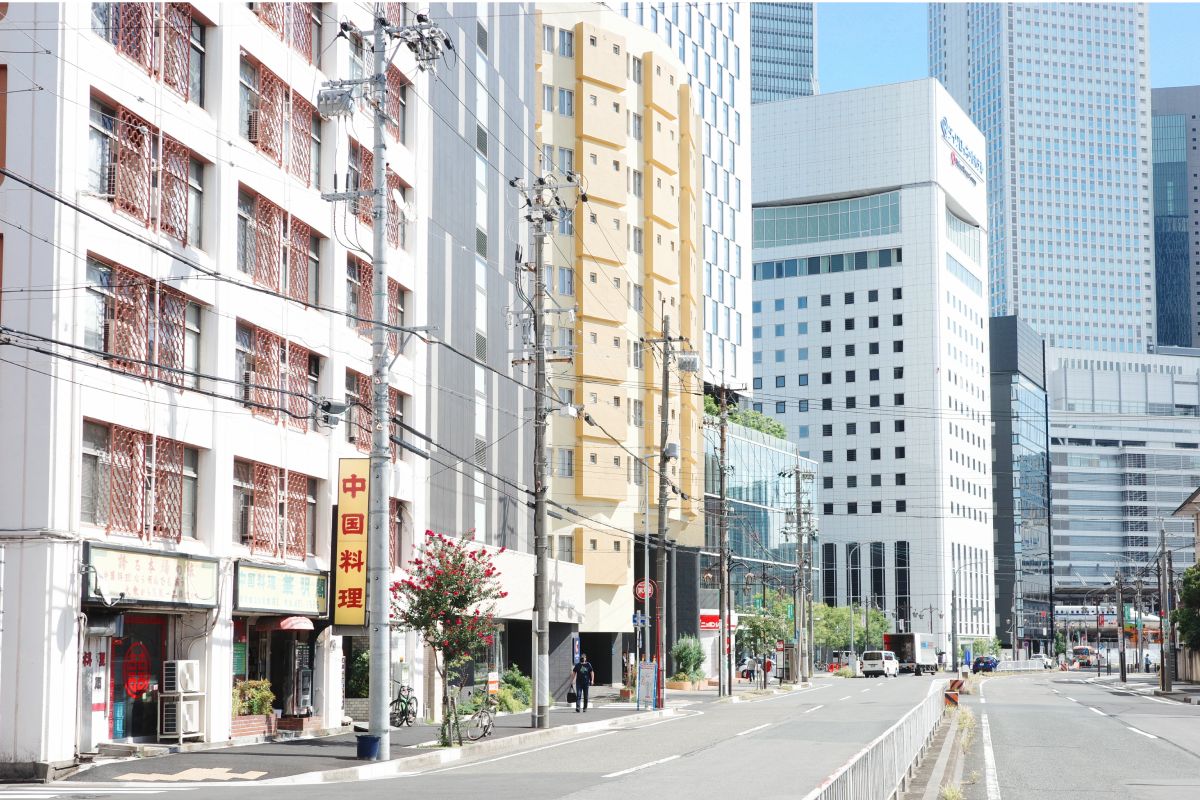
180	717
181	676
252	126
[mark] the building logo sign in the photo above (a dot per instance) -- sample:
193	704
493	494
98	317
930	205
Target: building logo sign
140	576
278	591
962	156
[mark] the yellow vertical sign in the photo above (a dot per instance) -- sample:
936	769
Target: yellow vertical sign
350	543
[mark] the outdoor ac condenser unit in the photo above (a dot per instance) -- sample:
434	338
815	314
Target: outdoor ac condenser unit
180	717
181	676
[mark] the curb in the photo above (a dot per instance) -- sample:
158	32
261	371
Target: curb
757	696
410	764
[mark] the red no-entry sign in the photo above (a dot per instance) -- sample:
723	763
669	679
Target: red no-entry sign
642	590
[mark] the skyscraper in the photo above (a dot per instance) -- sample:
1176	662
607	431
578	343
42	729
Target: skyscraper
1176	214
1061	91
782	51
713	42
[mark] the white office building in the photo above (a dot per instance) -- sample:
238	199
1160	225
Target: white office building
871	341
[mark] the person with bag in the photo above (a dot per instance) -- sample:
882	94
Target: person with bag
585	676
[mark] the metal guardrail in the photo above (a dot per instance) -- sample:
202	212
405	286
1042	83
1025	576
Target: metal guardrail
1021	666
879	770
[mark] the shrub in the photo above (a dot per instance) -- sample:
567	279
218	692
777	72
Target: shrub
358	678
509	701
252	698
521	685
689	655
845	672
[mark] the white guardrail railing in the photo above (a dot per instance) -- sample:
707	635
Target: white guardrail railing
878	771
1020	666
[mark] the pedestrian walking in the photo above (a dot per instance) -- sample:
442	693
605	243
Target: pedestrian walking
585	676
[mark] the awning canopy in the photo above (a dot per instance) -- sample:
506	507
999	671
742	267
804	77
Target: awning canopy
285	624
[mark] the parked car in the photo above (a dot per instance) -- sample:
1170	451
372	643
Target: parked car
877	663
985	664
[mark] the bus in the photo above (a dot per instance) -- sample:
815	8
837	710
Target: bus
1085	655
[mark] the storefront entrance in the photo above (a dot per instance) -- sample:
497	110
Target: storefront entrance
136	660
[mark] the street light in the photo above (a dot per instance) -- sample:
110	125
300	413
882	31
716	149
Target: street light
954	609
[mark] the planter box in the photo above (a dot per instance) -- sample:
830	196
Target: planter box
252	725
686	686
626	694
302	724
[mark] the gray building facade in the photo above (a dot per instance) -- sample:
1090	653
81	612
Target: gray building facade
783	51
1174	122
1021	474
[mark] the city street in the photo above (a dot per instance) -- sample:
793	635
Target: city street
715	749
1061	732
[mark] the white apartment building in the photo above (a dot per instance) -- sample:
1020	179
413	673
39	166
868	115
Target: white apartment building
871	341
177	297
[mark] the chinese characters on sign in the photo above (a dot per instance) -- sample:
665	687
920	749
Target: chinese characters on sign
281	591
138	575
350	544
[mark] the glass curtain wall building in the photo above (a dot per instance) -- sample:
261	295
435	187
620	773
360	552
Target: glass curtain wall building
1021	474
713	42
759	499
1062	93
1177	214
783	51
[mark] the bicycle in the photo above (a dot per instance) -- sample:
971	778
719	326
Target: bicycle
403	710
481	722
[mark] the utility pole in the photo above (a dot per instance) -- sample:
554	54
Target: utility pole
725	676
1164	621
665	454
1138	610
425	41
542	206
1121	623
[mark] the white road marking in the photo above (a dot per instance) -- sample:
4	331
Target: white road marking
755	728
989	763
814	708
680	715
1156	700
1056	691
847	697
1072	699
1143	733
983	701
1098	711
640	767
513	755
866	690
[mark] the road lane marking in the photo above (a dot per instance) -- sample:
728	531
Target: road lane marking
512	755
1157	700
1072	699
679	715
640	767
814	708
1056	691
847	697
755	728
989	762
1098	711
1143	733
866	690
983	701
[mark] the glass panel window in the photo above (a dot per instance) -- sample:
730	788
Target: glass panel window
191	460
94	491
195	202
566	102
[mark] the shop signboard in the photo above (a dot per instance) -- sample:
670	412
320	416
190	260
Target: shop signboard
140	576
271	590
350	543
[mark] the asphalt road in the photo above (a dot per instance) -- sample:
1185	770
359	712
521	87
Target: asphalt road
781	746
1060	735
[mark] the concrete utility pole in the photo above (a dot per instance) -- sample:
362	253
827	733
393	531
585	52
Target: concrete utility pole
800	519
1121	623
425	42
725	675
666	453
1138	610
542	207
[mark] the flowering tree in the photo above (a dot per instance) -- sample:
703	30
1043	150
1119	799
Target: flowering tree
449	598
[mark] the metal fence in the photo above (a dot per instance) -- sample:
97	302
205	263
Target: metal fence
1021	666
882	768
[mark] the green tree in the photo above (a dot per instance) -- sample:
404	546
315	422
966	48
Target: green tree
746	418
1187	616
449	598
831	628
759	631
711	407
1060	643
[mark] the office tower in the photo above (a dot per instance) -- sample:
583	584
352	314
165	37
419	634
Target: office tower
871	340
1061	91
783	51
1125	452
1174	114
1021	475
712	41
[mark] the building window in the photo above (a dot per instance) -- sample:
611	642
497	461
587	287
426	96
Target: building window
897	319
829	569
566	462
636	126
780	381
548	99
897	372
780	406
566	281
548	38
826	326
901	506
636	69
899	452
566	43
898	399
876	507
897	293
872	322
566	102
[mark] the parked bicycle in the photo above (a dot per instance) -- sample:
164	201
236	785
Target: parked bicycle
483	720
403	710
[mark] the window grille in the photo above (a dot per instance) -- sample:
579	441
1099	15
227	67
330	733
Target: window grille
177	48
366	180
395	309
264	509
395	411
296	24
296	401
360	417
396	103
267	349
295	541
361	281
396	224
299	241
301	155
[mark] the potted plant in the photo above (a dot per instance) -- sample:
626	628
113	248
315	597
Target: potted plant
253	714
688	655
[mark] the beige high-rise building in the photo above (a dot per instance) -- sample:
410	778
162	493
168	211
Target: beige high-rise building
617	110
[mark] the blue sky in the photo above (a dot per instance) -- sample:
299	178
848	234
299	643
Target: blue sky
865	44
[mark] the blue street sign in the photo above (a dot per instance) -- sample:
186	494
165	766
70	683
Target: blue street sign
639	619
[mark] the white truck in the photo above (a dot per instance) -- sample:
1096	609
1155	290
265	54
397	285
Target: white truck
917	652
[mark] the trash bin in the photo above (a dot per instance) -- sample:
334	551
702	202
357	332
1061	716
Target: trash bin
368	747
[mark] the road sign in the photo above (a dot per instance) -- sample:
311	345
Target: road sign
639	619
779	645
642	591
